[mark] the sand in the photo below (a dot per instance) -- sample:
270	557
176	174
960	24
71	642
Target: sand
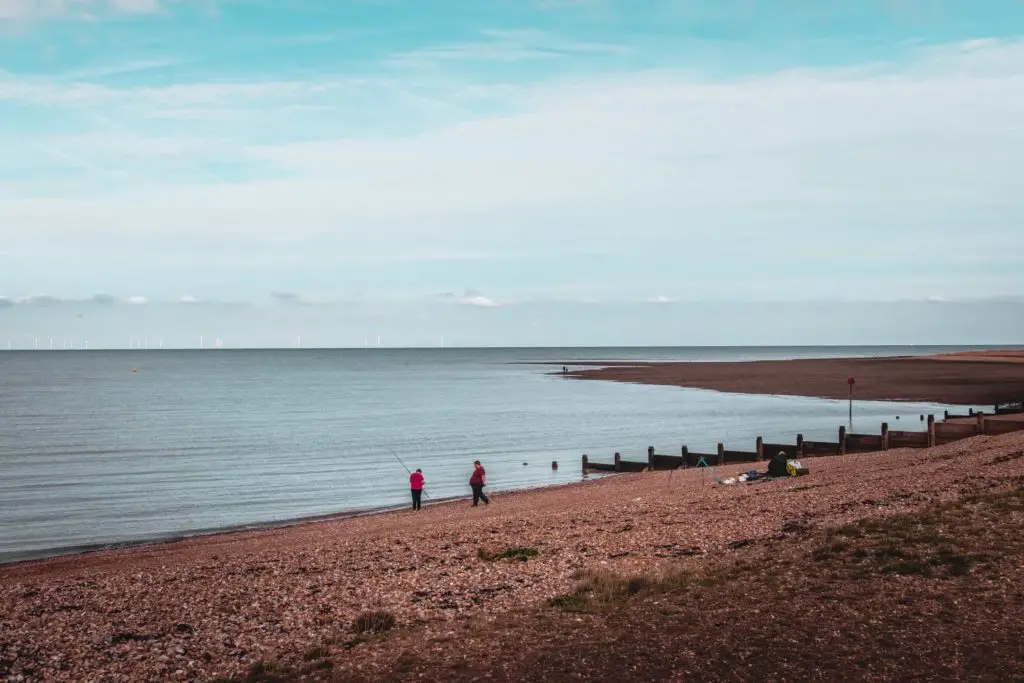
969	379
215	606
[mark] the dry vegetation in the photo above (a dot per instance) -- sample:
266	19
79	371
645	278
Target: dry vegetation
876	567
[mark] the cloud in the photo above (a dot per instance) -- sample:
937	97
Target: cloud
295	299
72	9
480	301
187	299
136	300
862	177
661	299
508	46
6	303
42	300
48	300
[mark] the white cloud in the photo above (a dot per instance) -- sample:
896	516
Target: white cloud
41	300
811	168
504	46
480	301
78	9
661	299
187	299
135	300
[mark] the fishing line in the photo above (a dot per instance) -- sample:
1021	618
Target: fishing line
403	465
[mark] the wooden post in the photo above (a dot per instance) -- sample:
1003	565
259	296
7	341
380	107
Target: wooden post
842	441
885	436
760	449
970	412
721	454
650	458
931	431
618	462
685	452
586	463
799	445
981	422
945	414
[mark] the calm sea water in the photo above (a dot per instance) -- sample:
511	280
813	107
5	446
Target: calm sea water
94	454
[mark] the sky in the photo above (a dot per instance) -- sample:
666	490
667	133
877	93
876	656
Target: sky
536	172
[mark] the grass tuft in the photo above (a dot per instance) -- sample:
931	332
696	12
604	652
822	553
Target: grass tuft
315	653
376	621
518	554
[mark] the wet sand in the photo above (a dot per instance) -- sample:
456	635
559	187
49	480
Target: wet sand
970	379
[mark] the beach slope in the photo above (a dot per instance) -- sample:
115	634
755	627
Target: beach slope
882	566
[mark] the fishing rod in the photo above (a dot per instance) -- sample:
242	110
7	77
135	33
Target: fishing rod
403	464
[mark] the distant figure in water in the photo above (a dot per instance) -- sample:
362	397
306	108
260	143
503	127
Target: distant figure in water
565	370
416	486
477	482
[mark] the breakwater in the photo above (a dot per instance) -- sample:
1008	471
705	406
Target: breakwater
1005	418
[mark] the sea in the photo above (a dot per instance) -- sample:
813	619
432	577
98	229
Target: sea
107	448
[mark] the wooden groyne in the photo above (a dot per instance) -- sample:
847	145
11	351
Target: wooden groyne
936	433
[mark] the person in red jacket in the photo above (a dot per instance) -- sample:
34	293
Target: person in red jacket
416	485
477	482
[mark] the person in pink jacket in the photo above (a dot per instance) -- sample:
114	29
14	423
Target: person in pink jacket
416	485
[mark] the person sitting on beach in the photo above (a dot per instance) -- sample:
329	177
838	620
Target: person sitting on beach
416	485
777	465
477	482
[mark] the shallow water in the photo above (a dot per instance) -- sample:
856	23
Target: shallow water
93	453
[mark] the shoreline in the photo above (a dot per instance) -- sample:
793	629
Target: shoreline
703	375
216	536
982	378
190	535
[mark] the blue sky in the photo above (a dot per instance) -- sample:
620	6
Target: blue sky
358	160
